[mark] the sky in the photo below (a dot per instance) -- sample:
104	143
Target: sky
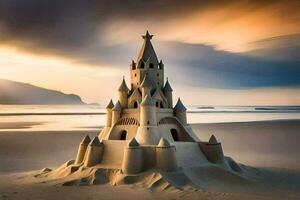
215	52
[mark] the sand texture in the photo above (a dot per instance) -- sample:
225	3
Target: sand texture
23	153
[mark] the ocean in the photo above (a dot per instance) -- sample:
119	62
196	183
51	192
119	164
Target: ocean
92	117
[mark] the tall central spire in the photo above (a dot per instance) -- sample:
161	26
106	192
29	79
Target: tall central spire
147	65
147	52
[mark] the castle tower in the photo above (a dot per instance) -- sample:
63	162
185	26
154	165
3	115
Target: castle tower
168	94
147	64
109	108
133	158
147	132
93	153
123	94
146	86
82	149
180	112
116	112
165	156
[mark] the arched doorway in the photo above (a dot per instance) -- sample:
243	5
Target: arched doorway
174	134
135	104
123	135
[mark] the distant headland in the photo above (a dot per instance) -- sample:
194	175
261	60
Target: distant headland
18	93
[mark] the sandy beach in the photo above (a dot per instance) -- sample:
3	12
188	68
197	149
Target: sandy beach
24	153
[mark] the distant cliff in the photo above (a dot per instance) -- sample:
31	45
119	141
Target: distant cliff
12	92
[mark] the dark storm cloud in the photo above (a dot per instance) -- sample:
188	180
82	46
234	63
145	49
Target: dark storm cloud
74	29
203	65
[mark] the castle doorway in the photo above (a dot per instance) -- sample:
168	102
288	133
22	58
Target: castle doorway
123	135
174	134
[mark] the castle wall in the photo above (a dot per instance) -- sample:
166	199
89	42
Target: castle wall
113	153
134	112
188	154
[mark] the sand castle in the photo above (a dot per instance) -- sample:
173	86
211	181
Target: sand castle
144	130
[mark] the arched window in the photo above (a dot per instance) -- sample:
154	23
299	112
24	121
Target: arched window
174	134
123	135
142	64
161	105
151	65
135	104
148	122
157	104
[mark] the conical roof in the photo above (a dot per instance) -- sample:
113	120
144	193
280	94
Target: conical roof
110	105
147	50
163	142
213	140
148	101
179	106
146	82
95	141
86	140
167	87
133	143
123	87
118	106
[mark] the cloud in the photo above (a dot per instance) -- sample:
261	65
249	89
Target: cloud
189	37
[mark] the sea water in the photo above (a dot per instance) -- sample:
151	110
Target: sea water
90	117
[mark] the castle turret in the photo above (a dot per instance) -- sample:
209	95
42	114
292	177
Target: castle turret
148	131
133	158
165	156
180	112
146	86
168	94
109	108
116	113
93	153
82	149
147	64
213	150
123	94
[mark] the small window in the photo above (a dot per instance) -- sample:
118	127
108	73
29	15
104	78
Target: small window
135	104
157	74
161	105
157	83
151	65
157	104
123	135
133	66
148	122
142	65
135	75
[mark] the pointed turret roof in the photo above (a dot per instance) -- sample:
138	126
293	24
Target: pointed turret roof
133	143
148	101
167	87
86	140
147	50
118	106
179	106
146	82
158	93
213	140
95	141
163	142
123	86
110	105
